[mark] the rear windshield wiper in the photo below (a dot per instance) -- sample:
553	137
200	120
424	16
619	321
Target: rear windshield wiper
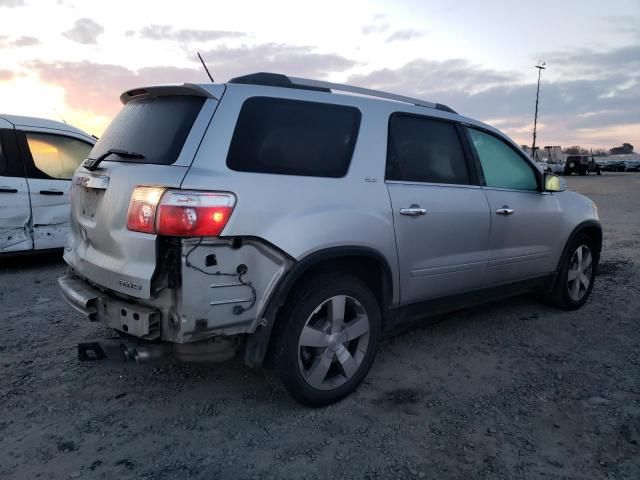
92	163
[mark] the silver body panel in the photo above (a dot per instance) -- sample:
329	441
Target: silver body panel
302	215
444	250
458	244
99	246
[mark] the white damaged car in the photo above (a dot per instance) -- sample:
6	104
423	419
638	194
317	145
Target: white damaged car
37	160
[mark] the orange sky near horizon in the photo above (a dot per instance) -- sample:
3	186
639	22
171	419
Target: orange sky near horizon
71	61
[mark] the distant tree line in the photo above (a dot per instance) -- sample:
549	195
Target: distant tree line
598	152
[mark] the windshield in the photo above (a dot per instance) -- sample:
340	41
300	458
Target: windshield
155	128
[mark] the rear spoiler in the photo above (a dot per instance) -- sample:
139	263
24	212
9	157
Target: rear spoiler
165	90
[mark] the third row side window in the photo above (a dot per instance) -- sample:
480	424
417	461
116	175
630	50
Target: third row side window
425	150
294	137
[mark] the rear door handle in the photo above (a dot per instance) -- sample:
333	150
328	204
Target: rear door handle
413	211
505	210
8	190
51	192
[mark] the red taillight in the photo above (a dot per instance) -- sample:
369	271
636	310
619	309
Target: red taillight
179	213
141	216
193	214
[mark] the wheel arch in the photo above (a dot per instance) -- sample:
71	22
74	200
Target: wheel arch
364	262
591	228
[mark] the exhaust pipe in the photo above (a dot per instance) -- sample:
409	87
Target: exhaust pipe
142	354
127	352
213	350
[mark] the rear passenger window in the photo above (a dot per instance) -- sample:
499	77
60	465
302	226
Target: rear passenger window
292	137
57	156
425	150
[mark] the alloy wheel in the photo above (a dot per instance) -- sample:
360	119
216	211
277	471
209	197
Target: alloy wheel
333	342
579	274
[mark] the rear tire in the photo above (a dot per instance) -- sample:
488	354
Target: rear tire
577	274
326	338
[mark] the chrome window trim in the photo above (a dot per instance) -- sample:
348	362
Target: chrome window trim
428	184
500	189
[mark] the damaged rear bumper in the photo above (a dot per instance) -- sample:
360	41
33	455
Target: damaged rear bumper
81	296
214	288
132	318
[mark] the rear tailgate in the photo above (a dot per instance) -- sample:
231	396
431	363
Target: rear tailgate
164	125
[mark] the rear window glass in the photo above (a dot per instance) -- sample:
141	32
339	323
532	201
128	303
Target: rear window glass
292	137
154	127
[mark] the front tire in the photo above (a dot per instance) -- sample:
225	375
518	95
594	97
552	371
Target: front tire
577	274
326	339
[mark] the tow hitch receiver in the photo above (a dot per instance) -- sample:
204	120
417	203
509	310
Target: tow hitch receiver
90	351
116	349
111	348
214	350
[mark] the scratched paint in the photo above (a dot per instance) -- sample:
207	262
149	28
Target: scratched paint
50	213
14	215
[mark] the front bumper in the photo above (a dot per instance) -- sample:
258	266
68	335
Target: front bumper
132	318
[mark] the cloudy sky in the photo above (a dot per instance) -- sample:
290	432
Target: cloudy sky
71	59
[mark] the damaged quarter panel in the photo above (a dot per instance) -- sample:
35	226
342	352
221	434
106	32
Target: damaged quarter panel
353	210
225	284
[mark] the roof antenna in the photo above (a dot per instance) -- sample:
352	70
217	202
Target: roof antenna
205	67
61	117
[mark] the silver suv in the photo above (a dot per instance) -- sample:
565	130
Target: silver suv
275	216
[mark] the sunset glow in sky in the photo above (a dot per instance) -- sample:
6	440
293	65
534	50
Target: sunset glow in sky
71	59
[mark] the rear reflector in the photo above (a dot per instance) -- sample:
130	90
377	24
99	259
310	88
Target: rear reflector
179	213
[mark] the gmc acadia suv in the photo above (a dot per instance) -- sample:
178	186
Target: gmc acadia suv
273	216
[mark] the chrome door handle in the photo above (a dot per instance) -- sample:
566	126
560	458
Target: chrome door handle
413	211
505	210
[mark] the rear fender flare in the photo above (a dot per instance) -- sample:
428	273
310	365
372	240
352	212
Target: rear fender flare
258	343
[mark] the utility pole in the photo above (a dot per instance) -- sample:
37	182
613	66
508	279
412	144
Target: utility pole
540	66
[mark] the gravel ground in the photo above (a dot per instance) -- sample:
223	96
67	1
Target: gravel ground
514	389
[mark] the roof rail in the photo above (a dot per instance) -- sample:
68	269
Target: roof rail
279	80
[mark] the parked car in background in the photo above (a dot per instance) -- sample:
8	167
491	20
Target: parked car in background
278	218
543	166
614	166
632	166
37	161
581	164
556	168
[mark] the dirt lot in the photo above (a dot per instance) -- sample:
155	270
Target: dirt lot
510	390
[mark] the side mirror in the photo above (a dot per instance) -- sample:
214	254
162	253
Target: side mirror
553	183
